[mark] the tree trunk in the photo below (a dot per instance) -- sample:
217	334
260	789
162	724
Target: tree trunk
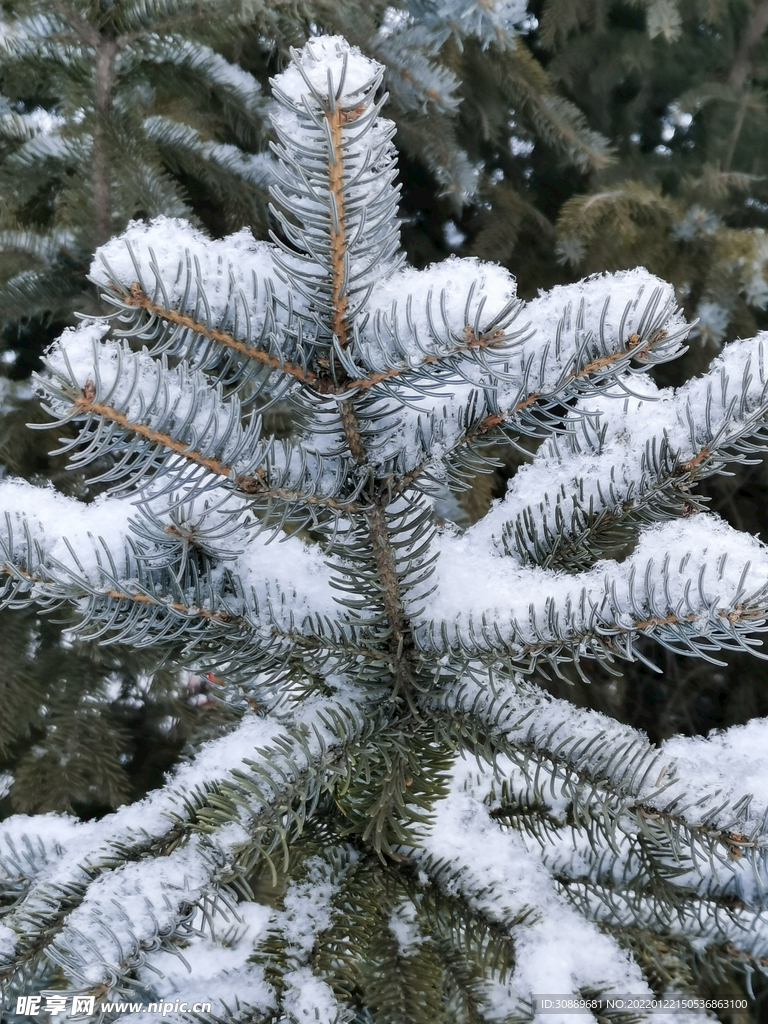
106	50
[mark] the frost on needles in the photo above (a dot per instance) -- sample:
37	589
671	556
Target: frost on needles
402	826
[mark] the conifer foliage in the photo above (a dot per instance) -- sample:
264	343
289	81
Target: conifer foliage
401	826
678	87
111	111
107	111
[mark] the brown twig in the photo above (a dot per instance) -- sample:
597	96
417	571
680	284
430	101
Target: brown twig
337	119
488	423
250	484
323	385
136	297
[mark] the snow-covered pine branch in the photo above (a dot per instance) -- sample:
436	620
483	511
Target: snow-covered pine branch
588	490
364	643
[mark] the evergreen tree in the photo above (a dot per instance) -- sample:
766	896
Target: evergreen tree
678	90
334	856
110	112
130	109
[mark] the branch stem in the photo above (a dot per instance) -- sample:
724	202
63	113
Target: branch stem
323	385
103	83
337	118
489	423
252	484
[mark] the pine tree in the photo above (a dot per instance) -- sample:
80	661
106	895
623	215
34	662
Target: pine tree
678	91
401	825
173	126
110	112
132	109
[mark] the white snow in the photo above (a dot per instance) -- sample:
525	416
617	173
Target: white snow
418	313
556	950
696	570
127	905
170	260
606	458
597	316
55	519
327	59
307	911
362	216
146	391
37	121
402	924
310	999
307	906
708	788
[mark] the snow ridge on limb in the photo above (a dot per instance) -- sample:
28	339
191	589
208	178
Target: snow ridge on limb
467	853
119	563
573	334
624	461
695	586
149	417
630	833
565	343
575	875
337	179
597	760
196	836
478	378
211	303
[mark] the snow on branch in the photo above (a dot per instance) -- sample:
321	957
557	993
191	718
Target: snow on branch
132	883
627	460
149	417
631	835
569	341
613	778
696	585
203	300
621	865
140	398
391	641
336	180
556	950
127	583
574	334
472	382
